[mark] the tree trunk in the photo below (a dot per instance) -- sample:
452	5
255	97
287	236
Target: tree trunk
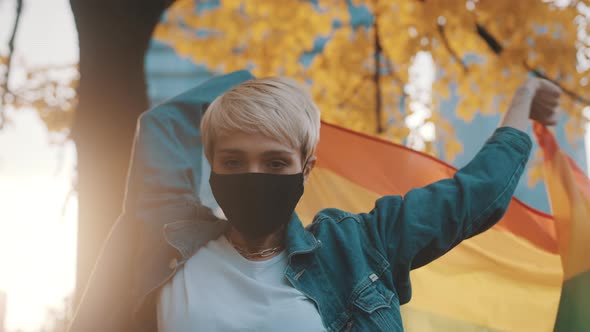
113	38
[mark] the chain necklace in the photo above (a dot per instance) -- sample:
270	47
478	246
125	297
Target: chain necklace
256	254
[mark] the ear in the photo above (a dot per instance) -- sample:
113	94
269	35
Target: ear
309	166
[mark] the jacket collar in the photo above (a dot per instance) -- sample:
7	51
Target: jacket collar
189	235
298	239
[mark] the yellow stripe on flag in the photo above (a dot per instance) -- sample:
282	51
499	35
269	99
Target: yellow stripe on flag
495	280
327	189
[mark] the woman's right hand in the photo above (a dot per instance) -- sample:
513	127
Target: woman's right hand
537	99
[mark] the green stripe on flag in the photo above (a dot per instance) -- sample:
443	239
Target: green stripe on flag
574	305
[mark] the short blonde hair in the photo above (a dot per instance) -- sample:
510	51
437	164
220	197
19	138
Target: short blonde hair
277	107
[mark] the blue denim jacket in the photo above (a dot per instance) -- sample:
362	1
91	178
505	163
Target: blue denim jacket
354	267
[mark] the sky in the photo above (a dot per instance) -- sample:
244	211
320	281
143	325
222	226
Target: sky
37	222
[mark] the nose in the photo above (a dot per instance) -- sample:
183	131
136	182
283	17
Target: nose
255	167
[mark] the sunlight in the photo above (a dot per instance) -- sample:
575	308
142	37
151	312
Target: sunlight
37	221
419	90
37	249
37	242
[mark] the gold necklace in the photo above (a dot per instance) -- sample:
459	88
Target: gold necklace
257	254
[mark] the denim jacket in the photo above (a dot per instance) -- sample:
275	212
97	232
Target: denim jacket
354	267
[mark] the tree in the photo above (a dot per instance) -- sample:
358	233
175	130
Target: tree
359	71
6	61
101	117
113	37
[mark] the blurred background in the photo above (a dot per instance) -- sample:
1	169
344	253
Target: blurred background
74	76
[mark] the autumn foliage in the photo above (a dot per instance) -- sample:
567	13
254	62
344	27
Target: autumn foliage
356	55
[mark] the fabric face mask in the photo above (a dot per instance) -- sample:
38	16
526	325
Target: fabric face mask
257	204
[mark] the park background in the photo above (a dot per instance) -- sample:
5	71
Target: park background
435	76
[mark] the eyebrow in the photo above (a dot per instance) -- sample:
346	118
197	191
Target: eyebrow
276	152
231	151
265	153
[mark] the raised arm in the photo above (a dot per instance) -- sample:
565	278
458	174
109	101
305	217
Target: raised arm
427	222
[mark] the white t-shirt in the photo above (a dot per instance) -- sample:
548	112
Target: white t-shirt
220	290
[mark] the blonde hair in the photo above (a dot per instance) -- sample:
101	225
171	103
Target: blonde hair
277	107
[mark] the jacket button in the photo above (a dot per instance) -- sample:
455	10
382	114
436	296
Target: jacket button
173	263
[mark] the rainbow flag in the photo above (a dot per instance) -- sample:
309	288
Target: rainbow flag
506	279
569	193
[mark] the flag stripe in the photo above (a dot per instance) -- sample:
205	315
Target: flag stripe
574	306
424	321
495	280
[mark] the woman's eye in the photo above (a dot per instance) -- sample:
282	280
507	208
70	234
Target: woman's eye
277	164
232	163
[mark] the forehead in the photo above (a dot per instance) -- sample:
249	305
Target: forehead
255	144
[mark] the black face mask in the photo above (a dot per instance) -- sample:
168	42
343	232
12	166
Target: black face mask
257	204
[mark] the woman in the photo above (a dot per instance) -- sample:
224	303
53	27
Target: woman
263	271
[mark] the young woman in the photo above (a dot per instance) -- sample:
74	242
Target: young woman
263	271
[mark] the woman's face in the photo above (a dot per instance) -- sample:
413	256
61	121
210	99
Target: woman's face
246	153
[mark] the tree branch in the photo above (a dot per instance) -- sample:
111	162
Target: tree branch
496	47
565	90
492	42
399	81
395	77
445	40
4	87
377	76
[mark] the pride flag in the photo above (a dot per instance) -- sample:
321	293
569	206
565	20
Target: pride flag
506	279
569	193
